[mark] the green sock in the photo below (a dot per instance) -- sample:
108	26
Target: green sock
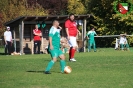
62	64
50	65
122	46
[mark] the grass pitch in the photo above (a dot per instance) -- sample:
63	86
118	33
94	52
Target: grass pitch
106	68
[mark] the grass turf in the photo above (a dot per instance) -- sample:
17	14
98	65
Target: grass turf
106	68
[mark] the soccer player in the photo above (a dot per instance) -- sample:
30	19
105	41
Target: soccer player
8	40
91	39
54	47
37	40
123	42
71	31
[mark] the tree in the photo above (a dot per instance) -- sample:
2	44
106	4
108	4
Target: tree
10	9
76	7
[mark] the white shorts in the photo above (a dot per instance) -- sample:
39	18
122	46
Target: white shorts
72	42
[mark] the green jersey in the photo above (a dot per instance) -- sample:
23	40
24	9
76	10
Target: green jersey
54	33
91	35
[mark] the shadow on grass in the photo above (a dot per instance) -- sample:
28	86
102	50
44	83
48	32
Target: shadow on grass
41	72
36	71
2	53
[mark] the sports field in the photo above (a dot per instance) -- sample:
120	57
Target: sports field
106	68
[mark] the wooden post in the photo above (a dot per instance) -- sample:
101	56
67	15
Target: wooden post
42	43
84	35
21	33
14	36
32	44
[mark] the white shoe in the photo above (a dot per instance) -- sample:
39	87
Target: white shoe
72	60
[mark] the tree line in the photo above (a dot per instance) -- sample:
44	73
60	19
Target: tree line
104	17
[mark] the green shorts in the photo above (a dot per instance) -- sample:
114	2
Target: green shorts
55	53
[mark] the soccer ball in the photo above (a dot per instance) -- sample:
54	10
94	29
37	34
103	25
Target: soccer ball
67	69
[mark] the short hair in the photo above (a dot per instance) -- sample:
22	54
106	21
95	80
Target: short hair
91	27
55	20
71	15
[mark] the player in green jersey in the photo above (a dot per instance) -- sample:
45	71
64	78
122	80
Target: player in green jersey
91	39
54	47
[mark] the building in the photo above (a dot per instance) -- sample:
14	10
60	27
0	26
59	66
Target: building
22	30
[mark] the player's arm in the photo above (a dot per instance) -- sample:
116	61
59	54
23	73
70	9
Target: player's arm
40	34
34	32
5	39
50	43
78	32
67	32
87	36
60	28
11	38
96	34
66	28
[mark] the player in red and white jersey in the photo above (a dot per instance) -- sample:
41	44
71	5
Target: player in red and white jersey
71	31
37	40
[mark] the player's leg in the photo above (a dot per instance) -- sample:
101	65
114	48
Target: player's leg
54	56
9	48
35	45
6	45
127	46
62	61
39	44
122	46
90	45
70	53
73	49
94	46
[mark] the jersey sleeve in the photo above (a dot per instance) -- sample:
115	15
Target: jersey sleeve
51	32
67	24
88	33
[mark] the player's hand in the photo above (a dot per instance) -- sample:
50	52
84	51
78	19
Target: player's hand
68	37
11	41
79	34
51	47
60	27
6	42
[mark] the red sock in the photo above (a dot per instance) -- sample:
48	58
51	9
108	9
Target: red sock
72	53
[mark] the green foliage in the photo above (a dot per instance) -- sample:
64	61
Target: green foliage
76	7
106	20
11	9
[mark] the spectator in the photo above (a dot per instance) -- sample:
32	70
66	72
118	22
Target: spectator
123	42
8	40
91	39
37	40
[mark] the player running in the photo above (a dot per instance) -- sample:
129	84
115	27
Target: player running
71	31
91	39
54	47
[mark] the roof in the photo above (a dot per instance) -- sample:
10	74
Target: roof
44	18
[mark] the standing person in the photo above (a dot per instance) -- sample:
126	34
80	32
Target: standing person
91	39
71	31
8	40
37	40
54	47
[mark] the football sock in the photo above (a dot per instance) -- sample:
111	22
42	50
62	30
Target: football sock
62	64
50	65
72	53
